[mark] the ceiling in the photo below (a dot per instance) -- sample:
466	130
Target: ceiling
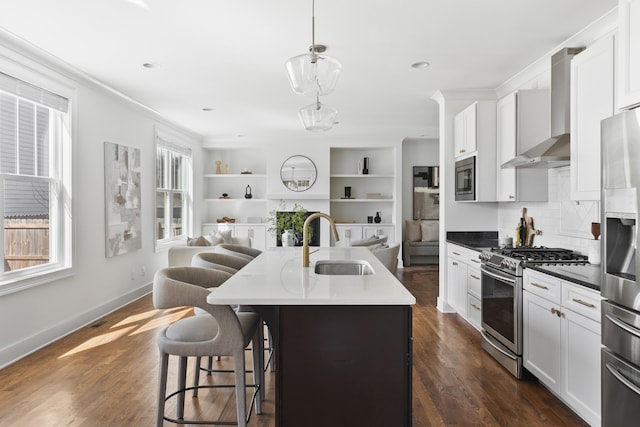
229	55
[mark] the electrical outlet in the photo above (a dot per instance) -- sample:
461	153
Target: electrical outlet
143	271
133	275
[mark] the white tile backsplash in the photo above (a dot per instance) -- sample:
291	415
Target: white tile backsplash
564	223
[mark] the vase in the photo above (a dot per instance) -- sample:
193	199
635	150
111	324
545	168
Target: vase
365	169
288	238
247	192
218	170
377	218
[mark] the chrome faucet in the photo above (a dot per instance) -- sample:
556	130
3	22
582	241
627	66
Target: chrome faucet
305	234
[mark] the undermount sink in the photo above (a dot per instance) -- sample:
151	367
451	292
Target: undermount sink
345	267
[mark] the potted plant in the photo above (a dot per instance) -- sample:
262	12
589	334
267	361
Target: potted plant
289	222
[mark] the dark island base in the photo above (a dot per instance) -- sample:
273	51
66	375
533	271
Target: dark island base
342	365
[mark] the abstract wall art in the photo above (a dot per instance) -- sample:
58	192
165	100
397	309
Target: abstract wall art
122	199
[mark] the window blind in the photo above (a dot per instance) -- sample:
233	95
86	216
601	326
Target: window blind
33	93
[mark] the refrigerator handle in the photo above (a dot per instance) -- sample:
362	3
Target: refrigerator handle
622	324
631	386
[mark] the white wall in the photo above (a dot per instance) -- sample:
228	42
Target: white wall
36	316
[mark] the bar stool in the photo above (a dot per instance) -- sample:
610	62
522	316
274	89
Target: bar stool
222	332
237	250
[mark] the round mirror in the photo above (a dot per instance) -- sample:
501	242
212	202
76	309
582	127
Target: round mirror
298	173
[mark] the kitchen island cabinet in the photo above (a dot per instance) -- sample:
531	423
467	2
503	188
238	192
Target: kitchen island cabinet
342	343
562	340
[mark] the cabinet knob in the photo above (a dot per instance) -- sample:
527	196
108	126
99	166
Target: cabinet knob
512	197
556	312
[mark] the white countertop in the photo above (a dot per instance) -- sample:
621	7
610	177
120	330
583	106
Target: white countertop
277	277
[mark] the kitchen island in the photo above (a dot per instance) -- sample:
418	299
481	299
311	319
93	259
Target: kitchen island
342	342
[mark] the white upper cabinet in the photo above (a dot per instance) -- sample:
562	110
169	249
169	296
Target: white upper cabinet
475	136
592	99
465	131
506	136
628	81
522	122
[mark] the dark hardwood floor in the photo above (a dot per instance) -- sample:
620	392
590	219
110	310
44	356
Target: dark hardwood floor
106	375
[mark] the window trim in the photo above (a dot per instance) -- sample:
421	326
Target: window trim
168	139
62	163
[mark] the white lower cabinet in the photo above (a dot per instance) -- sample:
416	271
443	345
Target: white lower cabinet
351	232
457	285
541	341
257	232
463	283
474	311
562	341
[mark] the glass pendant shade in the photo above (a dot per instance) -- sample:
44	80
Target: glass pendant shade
317	117
311	74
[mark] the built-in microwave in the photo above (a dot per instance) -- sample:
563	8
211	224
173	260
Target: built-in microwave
466	179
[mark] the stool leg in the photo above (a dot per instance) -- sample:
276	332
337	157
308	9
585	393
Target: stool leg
241	400
257	347
182	383
196	376
272	360
162	388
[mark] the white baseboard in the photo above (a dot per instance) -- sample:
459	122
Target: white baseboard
18	350
443	307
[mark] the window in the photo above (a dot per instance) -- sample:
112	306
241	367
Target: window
35	180
173	189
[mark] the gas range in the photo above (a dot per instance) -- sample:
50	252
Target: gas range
512	260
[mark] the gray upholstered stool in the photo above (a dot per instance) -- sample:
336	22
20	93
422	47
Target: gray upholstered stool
222	332
237	250
219	261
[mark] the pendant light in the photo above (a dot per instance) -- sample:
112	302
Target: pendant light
317	117
312	73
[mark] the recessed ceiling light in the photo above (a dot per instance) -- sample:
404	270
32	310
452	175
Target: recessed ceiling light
207	109
421	64
150	65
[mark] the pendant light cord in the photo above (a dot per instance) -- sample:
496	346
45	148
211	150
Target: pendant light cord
313	30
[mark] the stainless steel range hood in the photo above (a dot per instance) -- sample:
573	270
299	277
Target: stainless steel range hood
555	151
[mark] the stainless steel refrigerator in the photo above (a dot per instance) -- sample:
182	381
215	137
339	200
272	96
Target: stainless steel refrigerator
621	310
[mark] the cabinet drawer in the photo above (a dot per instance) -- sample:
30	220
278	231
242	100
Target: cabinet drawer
473	259
474	311
542	285
473	281
581	300
461	254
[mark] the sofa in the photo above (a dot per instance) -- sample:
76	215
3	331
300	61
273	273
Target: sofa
181	255
421	243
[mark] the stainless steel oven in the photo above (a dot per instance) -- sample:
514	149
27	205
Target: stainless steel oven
501	284
465	181
502	317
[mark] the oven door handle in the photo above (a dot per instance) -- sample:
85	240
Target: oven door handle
631	386
623	325
489	340
500	277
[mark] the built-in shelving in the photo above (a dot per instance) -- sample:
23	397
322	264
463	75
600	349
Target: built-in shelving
345	167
